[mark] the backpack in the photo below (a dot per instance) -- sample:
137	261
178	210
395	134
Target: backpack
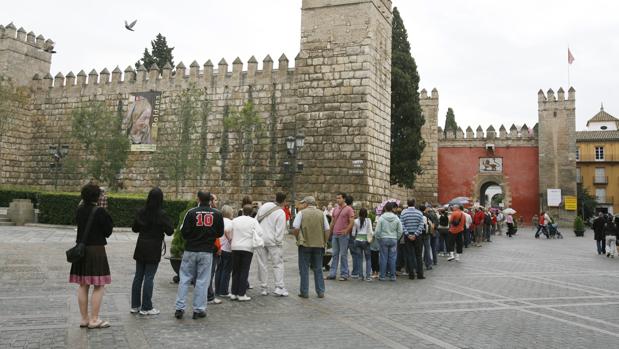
443	221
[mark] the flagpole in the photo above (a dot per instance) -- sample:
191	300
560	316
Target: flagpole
568	69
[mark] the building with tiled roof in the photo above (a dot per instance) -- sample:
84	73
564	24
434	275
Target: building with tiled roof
597	160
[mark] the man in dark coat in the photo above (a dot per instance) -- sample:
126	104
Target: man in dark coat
598	233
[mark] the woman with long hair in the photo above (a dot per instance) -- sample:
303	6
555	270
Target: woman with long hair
363	234
151	222
93	269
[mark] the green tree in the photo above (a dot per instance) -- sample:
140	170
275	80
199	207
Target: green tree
406	116
106	148
160	54
450	122
247	124
585	202
177	161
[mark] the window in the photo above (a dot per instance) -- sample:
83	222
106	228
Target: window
578	180
600	175
600	195
599	153
577	153
604	128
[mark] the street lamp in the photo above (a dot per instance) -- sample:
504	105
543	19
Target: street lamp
57	153
294	145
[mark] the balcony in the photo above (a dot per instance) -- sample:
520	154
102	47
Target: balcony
600	180
591	158
605	200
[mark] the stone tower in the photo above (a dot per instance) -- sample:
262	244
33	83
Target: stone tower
22	55
344	98
557	148
426	185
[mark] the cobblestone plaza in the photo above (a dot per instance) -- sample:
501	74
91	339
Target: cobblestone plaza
511	293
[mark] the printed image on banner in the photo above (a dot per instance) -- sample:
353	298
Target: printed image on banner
140	121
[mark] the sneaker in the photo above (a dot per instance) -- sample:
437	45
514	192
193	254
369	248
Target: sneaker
343	278
451	257
244	298
134	310
382	279
215	301
303	295
354	276
321	295
199	315
150	312
225	295
233	297
179	314
330	277
369	279
457	257
250	287
393	278
264	293
282	292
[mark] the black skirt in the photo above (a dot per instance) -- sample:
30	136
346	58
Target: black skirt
93	269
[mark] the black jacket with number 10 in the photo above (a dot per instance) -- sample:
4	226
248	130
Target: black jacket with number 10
201	227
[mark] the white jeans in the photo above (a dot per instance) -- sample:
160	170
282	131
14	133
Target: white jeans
275	253
611	244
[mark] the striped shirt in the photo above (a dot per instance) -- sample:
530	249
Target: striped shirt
412	221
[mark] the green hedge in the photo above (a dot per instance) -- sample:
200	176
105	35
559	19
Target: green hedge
59	208
9	194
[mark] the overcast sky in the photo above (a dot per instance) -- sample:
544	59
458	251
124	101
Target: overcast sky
487	58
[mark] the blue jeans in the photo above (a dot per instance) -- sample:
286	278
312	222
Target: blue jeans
194	265
601	245
388	255
311	257
467	237
427	251
339	243
354	252
222	276
141	296
363	252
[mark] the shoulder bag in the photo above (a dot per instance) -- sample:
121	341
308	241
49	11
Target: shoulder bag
77	252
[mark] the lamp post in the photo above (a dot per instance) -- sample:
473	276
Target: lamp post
294	145
57	153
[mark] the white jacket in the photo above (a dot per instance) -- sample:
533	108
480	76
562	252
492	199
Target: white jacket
243	230
273	226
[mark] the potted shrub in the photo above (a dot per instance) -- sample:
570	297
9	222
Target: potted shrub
579	226
178	244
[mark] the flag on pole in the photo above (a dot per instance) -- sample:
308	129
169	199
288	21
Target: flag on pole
570	57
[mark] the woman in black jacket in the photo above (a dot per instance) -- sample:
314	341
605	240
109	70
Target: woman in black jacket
151	222
93	269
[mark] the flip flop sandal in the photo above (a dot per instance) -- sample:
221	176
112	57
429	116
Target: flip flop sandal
100	324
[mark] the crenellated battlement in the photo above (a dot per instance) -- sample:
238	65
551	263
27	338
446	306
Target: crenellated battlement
168	78
515	136
22	54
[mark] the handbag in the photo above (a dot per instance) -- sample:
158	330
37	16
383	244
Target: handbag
77	252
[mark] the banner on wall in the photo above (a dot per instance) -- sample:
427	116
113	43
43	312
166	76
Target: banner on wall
554	197
141	120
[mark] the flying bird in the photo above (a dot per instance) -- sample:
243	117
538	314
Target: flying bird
130	26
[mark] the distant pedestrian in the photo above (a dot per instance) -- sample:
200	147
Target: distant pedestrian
102	201
354	251
341	226
311	229
246	236
509	221
388	232
363	235
272	219
610	230
93	269
152	223
456	228
599	235
478	222
202	225
224	268
443	230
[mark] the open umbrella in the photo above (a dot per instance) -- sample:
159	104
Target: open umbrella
460	200
381	207
509	211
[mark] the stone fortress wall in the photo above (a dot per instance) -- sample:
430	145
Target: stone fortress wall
337	95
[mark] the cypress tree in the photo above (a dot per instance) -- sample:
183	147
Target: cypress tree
450	122
160	54
406	116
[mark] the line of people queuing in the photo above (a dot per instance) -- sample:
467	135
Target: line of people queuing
219	248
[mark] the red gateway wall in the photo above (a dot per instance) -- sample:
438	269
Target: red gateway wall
458	166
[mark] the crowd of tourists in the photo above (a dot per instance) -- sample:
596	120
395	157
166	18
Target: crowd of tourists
219	247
